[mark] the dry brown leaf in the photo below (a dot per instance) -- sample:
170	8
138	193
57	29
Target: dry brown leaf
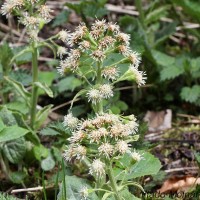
158	121
176	184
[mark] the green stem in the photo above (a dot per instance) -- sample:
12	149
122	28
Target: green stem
99	106
34	95
113	182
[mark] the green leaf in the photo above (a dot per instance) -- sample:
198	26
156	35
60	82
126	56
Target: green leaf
139	169
48	163
61	18
156	14
18	177
40	152
47	77
22	55
163	59
171	72
68	83
127	195
12	133
18	106
165	33
7	116
195	68
5	57
14	150
190	7
41	116
20	88
44	87
192	94
73	187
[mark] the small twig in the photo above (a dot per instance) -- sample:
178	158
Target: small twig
64	104
188	116
181	169
29	189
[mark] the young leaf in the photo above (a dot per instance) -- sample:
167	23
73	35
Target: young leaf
20	88
44	87
48	163
61	18
14	150
156	14
192	94
12	133
73	188
42	115
5	57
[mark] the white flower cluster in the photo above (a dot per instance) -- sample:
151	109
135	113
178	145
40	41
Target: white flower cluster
102	92
97	43
109	135
41	14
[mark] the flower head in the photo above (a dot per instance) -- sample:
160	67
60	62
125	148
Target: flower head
70	121
97	168
98	55
106	91
140	76
63	35
94	96
84	193
61	51
122	146
106	149
110	73
45	12
136	156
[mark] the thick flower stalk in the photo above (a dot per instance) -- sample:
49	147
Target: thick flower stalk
105	137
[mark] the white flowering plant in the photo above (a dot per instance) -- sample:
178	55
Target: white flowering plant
104	142
21	124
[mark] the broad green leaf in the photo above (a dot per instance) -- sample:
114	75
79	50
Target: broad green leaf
190	7
171	72
73	187
42	115
40	152
139	168
61	18
22	55
49	132
68	83
163	59
22	76
44	87
7	116
48	163
191	94
156	14
18	106
12	133
20	88
18	177
47	77
14	150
